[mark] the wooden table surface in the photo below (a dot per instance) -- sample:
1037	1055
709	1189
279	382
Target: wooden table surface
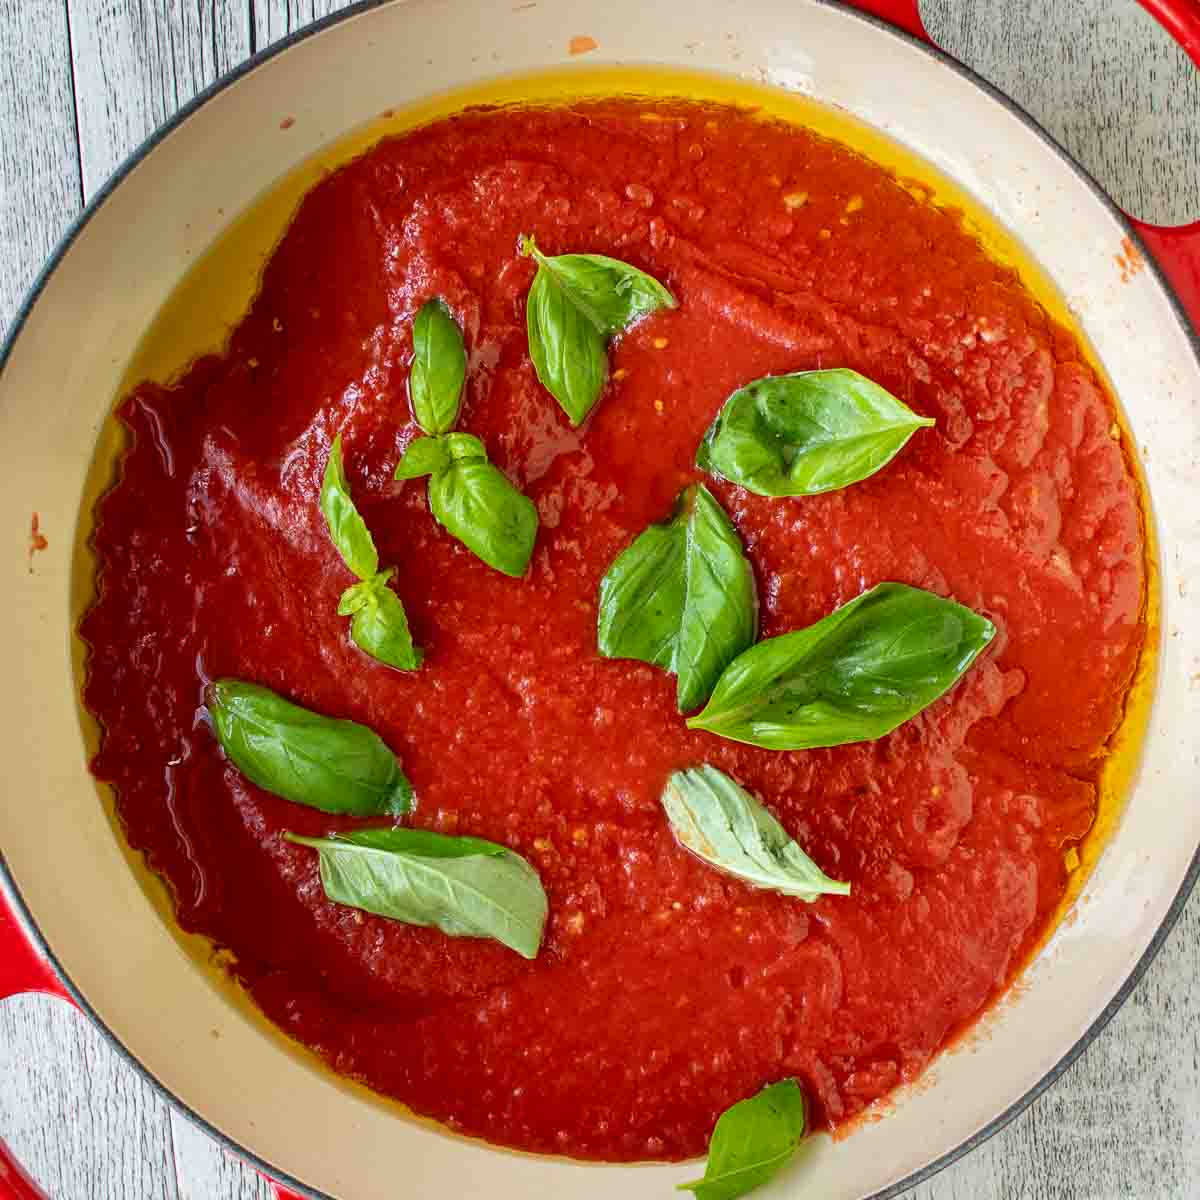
84	81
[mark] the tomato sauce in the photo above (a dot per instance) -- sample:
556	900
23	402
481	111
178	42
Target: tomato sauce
664	991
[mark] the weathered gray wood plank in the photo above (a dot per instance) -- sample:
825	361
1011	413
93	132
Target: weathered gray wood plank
82	1120
39	165
1105	80
204	1171
277	18
1123	1123
137	61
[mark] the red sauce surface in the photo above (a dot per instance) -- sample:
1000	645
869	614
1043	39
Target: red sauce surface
664	991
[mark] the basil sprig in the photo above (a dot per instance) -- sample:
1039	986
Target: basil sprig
380	625
722	823
799	435
576	303
439	368
474	500
334	765
464	886
681	597
752	1141
853	676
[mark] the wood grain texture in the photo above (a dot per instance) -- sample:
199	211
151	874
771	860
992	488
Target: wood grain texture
84	1124
1104	78
137	61
40	184
274	19
1124	1122
205	1171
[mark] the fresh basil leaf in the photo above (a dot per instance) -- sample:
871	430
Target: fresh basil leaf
612	293
569	353
439	368
334	765
464	447
577	302
682	597
474	500
358	596
477	503
853	676
380	625
422	842
722	823
799	435
347	529
465	887
380	629
752	1141
424	456
429	455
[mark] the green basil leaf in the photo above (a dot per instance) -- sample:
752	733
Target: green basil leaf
424	456
465	887
752	1141
464	447
612	293
569	352
429	455
439	368
722	823
682	597
799	435
422	842
334	765
347	529
853	676
478	504
474	500
358	596
577	302
380	625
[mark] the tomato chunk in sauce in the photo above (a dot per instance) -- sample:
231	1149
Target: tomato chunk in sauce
664	991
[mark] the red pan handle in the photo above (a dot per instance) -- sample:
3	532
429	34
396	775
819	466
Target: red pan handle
22	969
903	13
14	1183
22	966
1176	249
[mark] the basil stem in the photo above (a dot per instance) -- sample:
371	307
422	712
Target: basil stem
464	886
474	500
380	624
576	303
722	823
853	676
799	435
439	368
682	597
334	765
752	1141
